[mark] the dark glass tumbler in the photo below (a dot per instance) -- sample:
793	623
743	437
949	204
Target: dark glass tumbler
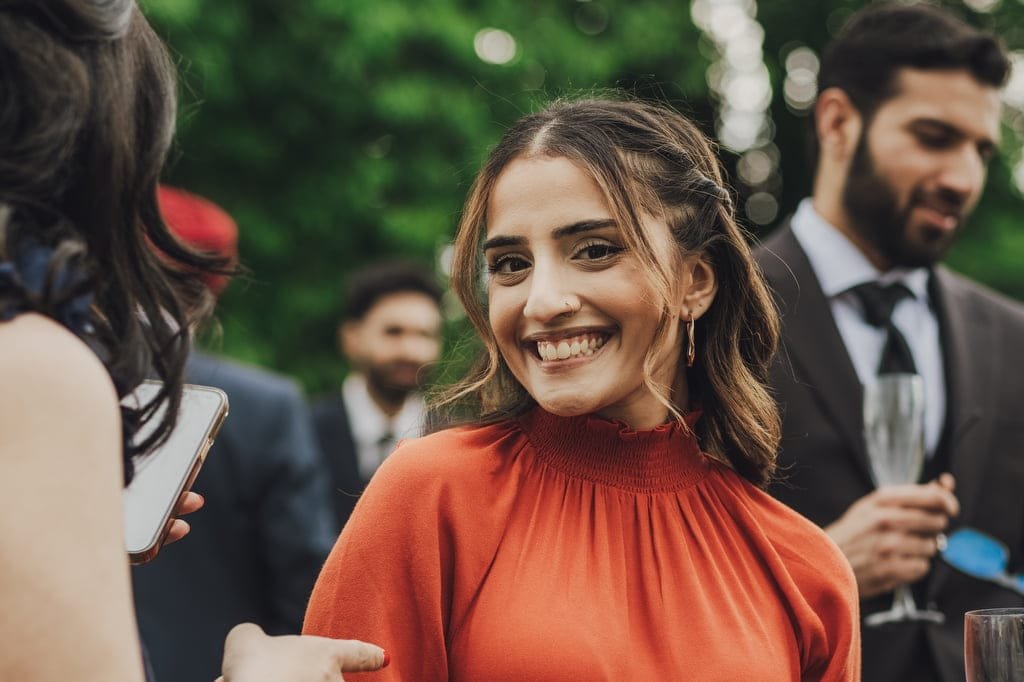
994	645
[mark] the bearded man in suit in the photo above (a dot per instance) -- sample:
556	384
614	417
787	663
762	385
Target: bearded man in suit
906	120
390	332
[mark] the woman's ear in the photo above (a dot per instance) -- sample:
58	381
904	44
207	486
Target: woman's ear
698	286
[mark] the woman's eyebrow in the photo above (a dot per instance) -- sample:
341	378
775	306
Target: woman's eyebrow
558	233
499	241
582	226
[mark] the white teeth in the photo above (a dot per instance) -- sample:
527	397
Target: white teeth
569	348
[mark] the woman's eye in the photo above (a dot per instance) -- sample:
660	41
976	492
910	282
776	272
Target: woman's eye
598	251
506	265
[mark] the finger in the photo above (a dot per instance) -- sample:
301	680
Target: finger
947	481
899	571
911	520
356	656
190	502
906	570
927	496
179	529
901	546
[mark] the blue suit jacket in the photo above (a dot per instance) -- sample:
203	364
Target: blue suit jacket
257	546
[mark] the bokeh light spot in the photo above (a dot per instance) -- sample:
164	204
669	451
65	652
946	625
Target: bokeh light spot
495	46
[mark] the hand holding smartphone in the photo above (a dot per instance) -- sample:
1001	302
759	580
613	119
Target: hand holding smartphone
163	476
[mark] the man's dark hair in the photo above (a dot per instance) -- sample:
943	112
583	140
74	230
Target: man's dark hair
878	41
367	286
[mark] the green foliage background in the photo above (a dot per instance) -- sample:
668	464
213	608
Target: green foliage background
340	132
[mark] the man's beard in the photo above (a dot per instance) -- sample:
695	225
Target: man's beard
381	378
872	205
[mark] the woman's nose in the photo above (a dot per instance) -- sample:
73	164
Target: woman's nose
550	297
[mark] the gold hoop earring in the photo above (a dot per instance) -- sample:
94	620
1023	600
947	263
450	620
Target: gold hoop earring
691	344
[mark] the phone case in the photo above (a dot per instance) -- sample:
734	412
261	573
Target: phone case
165	474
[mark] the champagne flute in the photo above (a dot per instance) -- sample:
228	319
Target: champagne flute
894	434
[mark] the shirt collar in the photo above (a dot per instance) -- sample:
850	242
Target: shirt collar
839	264
369	424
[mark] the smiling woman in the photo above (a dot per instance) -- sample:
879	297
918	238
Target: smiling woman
571	310
652	179
601	519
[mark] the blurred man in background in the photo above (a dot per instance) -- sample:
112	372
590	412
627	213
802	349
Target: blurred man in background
256	547
906	121
391	334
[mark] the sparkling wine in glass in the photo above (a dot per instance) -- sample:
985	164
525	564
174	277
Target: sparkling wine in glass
894	434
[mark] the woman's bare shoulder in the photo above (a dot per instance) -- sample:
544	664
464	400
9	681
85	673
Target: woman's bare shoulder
60	447
44	367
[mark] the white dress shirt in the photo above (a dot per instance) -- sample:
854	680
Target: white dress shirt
840	265
371	427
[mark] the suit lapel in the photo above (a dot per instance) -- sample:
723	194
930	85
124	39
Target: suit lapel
339	451
815	352
969	352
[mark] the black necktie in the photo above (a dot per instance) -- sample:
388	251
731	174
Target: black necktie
385	444
878	301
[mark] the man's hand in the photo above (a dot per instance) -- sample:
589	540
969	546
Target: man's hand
890	535
250	655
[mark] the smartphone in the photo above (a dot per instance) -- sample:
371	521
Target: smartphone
164	475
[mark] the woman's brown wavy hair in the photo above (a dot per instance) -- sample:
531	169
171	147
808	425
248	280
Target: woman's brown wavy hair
649	161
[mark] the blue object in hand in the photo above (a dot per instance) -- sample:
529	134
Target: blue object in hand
981	556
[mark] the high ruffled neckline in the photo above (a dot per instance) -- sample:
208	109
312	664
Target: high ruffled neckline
609	452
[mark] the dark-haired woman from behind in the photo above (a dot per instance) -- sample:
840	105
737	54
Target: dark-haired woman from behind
603	520
87	310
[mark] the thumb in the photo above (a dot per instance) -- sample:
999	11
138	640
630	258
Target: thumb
355	656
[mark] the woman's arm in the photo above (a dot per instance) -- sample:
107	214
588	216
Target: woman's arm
64	580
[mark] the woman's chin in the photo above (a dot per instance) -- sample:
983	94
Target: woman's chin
568	408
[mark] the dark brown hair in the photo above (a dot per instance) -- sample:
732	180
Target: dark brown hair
368	285
648	160
878	41
87	108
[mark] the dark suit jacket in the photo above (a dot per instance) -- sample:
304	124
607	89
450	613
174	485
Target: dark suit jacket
823	457
257	546
334	436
